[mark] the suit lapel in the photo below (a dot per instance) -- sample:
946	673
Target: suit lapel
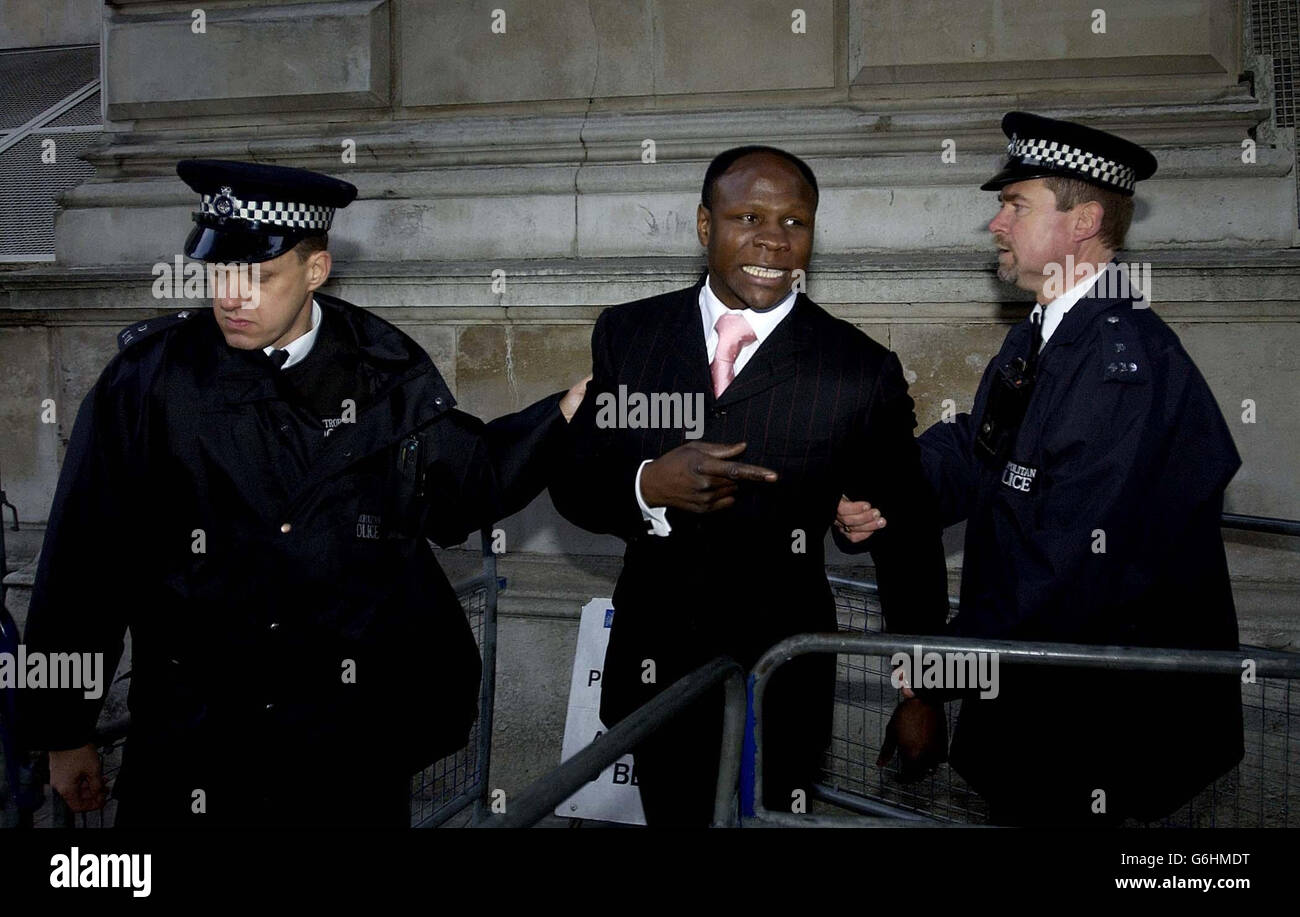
776	359
682	335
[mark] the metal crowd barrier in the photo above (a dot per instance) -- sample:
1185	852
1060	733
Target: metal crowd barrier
1261	791
438	793
544	794
446	788
865	700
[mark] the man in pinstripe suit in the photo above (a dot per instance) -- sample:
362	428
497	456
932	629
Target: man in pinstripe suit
725	533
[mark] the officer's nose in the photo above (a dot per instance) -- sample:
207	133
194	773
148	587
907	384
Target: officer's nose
232	289
1000	221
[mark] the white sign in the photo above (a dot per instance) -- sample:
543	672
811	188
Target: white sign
613	796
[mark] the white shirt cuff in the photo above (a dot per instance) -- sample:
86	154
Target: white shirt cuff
656	516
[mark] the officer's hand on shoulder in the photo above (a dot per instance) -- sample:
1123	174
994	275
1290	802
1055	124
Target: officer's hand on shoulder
78	778
573	398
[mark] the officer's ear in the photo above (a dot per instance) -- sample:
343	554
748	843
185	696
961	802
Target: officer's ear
318	268
1087	220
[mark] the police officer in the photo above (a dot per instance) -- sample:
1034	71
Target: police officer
250	489
1090	473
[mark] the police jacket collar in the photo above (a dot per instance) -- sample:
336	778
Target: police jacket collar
1088	308
404	393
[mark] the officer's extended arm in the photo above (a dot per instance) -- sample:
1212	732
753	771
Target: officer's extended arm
594	484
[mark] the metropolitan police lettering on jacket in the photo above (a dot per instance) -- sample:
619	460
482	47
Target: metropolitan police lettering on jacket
368	526
1019	477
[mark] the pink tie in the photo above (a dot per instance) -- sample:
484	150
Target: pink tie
733	334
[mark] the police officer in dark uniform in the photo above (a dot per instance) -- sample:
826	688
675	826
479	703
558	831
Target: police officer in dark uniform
1090	473
251	489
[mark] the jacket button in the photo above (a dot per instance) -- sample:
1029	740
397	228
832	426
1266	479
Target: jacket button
438	401
273	626
285	527
1113	320
270	707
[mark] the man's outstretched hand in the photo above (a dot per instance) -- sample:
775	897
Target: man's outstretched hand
856	521
918	730
699	477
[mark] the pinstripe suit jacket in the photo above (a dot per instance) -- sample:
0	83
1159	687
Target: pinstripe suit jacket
820	403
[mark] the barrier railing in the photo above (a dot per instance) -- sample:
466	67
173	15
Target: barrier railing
544	794
448	787
1269	524
1268	664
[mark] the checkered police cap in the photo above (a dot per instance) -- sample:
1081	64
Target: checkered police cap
254	212
277	213
1042	147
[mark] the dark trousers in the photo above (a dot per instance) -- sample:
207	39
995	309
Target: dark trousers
677	768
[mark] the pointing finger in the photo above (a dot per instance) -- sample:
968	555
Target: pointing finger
738	471
721	450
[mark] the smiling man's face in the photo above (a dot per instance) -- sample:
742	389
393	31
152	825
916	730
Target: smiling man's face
758	232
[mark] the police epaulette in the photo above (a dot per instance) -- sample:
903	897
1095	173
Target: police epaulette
141	330
1123	356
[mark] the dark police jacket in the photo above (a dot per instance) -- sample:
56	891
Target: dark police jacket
1101	527
289	621
820	403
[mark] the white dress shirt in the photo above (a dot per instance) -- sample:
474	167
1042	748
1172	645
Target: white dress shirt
300	346
1055	310
711	309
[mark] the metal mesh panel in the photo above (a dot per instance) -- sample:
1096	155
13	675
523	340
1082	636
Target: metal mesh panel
85	113
29	189
459	776
1275	29
1263	791
32	81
